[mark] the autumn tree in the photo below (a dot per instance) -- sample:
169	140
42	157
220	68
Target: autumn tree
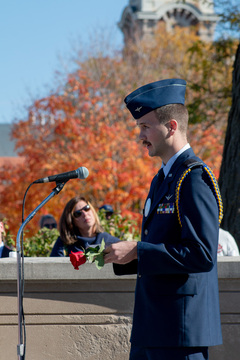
84	123
78	126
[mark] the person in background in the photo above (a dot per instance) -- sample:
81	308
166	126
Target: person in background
48	221
108	210
4	250
79	228
176	313
227	245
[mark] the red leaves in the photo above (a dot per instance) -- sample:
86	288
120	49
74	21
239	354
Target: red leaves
207	143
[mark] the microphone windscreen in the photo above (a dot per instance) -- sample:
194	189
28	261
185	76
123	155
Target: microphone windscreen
82	172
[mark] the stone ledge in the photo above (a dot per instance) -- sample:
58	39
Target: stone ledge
91	309
69	319
229	267
46	268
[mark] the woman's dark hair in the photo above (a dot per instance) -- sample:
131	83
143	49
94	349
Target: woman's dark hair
68	230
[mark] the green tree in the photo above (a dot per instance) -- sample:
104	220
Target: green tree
40	244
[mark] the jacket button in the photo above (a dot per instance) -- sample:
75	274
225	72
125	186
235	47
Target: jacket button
146	231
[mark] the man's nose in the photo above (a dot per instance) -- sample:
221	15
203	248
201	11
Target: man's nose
141	135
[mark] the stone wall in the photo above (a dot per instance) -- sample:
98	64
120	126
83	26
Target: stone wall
86	314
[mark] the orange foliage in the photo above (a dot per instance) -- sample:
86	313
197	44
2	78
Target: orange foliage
207	143
70	130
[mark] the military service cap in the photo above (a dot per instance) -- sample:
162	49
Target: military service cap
154	95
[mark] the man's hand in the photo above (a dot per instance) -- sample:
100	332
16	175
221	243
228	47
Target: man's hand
121	252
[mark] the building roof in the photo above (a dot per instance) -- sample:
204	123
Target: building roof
7	153
13	160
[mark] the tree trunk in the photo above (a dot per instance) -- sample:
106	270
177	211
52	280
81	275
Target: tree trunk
229	179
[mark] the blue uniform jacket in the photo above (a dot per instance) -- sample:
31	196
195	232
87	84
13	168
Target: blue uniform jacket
5	251
176	296
59	247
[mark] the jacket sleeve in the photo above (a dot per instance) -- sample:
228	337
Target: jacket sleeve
127	269
195	250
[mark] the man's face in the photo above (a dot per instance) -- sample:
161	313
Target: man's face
153	134
50	224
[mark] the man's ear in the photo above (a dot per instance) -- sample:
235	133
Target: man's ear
173	125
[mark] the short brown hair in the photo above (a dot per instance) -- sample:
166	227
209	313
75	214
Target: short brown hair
46	217
68	230
178	112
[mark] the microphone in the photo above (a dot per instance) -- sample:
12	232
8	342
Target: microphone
80	173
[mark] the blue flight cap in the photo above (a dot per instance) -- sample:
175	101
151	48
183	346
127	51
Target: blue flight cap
107	208
154	95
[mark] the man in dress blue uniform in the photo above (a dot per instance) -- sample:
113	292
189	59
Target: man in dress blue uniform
176	313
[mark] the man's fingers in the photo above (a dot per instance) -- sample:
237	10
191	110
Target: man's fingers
121	252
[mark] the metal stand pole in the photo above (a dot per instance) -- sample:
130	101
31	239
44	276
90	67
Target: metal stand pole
20	346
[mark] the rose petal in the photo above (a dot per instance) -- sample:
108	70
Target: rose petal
77	259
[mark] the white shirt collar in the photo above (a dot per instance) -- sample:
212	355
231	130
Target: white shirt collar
167	167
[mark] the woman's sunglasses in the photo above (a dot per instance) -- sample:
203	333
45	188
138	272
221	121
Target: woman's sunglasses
78	213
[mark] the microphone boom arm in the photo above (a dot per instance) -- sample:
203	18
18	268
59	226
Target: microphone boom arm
56	190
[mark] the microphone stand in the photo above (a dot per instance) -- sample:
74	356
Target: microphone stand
20	346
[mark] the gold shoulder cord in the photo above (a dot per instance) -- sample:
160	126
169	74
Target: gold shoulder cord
215	188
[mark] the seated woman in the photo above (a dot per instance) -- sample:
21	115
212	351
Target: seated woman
79	228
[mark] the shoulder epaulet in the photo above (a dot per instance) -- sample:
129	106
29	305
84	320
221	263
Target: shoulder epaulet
190	164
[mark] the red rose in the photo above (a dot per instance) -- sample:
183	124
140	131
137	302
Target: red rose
77	259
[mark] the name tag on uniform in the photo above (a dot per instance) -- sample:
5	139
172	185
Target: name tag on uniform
166	208
147	207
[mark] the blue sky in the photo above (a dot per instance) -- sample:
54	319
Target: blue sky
37	38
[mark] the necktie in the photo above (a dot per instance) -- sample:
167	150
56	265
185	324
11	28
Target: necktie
158	182
160	177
